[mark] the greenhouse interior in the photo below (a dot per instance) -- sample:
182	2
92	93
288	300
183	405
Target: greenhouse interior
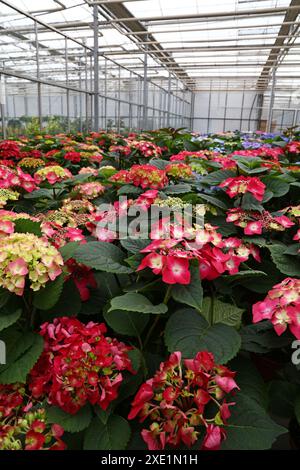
149	229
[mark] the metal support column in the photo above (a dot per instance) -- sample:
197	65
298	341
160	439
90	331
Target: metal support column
105	93
169	101
38	74
271	104
145	91
192	115
67	83
96	69
2	105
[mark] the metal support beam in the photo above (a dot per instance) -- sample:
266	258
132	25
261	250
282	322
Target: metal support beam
145	92
96	68
271	104
38	74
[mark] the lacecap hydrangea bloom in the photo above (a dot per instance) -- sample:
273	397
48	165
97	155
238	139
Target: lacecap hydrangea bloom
281	307
182	399
25	256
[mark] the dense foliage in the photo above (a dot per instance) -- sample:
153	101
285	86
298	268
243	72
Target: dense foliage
179	333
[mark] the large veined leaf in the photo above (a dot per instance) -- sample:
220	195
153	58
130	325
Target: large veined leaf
250	427
28	226
67	251
250	380
69	302
102	256
134	302
187	331
23	351
191	294
243	276
275	184
8	319
113	435
261	338
181	188
214	201
126	323
216	311
48	296
217	177
134	245
286	264
69	422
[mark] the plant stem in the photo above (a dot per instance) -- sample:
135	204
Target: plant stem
156	321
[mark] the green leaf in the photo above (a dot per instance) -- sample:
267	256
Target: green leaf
191	294
187	331
221	312
286	264
297	408
28	226
249	203
67	251
40	193
70	423
181	188
278	187
134	302
126	323
129	189
261	338
69	302
244	275
134	245
292	250
4	296
114	435
213	201
283	396
23	351
102	257
9	319
48	296
250	427
217	177
250	380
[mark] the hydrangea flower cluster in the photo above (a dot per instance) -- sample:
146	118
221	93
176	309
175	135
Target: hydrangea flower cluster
9	149
179	170
254	222
244	184
122	150
22	426
8	195
145	176
31	164
175	403
73	157
52	174
79	365
90	190
146	149
16	179
171	256
281	306
25	255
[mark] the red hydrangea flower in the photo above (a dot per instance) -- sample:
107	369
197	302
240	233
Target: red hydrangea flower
79	365
83	278
281	307
23	423
175	246
174	402
254	222
73	157
244	184
145	176
9	149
